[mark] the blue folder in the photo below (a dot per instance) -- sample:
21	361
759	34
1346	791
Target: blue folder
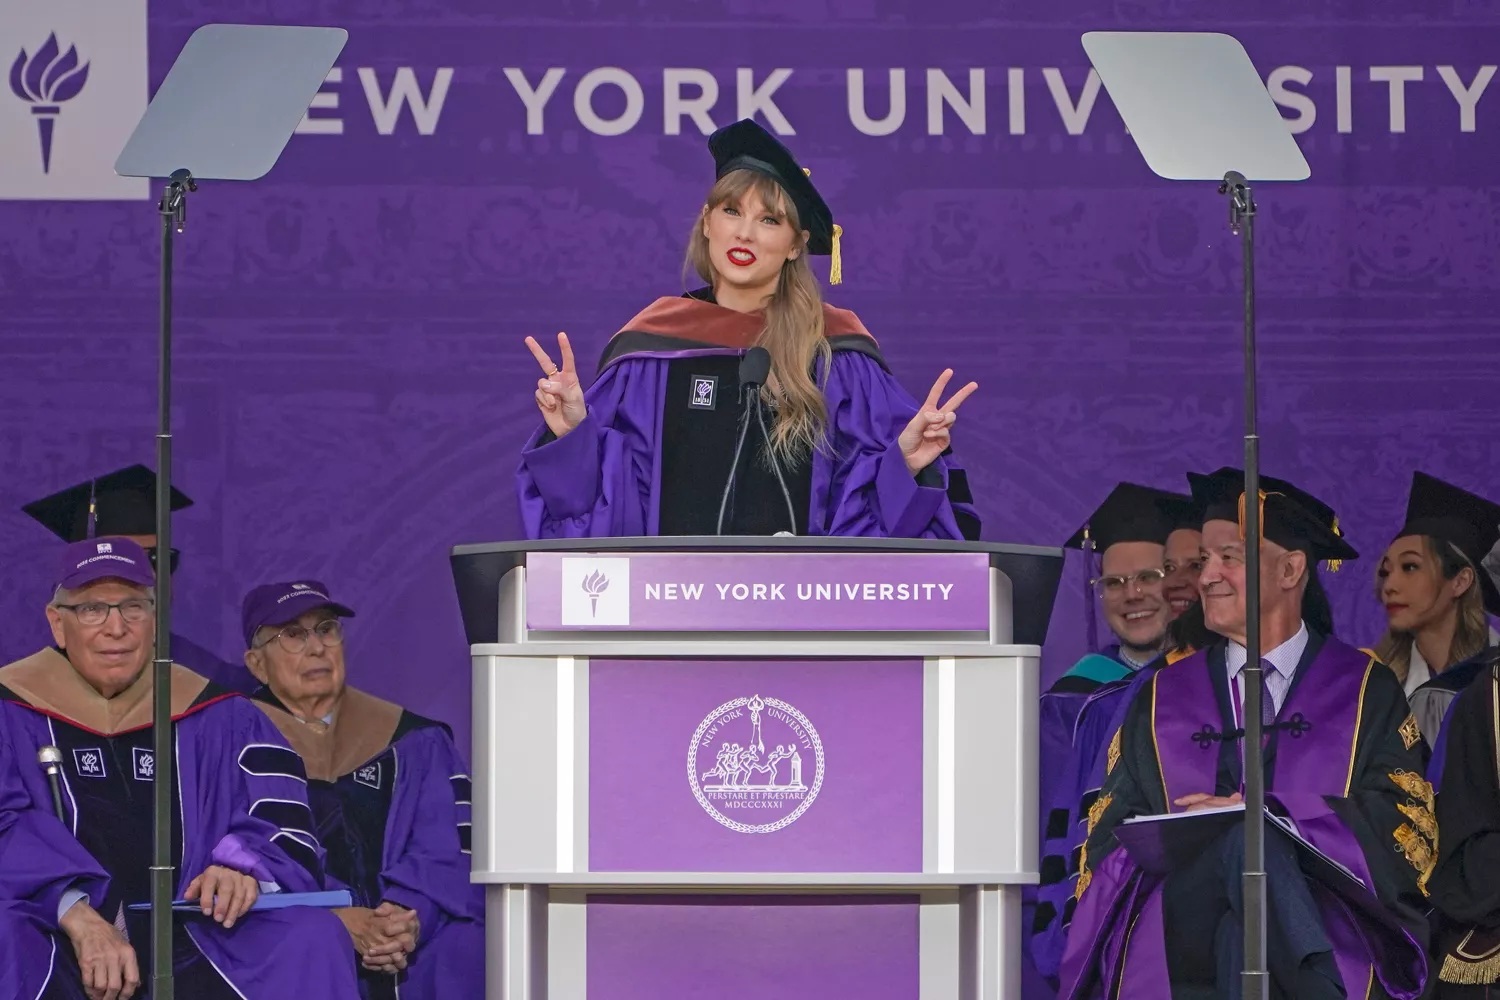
270	901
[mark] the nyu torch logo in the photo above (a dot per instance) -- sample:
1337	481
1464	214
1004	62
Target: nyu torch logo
46	81
594	585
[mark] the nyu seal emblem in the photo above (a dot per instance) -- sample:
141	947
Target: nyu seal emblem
755	764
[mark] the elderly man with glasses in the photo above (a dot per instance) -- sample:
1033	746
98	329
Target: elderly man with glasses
390	794
76	854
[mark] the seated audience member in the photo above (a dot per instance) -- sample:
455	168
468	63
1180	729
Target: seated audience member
390	794
1436	596
1075	787
242	826
1343	764
123	503
1465	885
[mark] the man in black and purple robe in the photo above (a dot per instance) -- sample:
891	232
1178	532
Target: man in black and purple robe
71	869
123	503
1130	530
390	794
1344	764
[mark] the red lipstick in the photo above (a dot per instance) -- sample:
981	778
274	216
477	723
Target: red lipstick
740	257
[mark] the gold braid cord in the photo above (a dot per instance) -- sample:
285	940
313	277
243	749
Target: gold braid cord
1096	811
1112	757
1418	840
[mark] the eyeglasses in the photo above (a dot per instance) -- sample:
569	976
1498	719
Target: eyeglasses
132	612
1114	586
293	638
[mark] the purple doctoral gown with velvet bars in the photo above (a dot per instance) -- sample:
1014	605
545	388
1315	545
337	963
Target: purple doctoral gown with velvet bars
1346	766
604	478
392	799
1067	808
241	792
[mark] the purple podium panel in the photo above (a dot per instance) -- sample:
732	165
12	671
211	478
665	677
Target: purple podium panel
758	591
752	947
755	765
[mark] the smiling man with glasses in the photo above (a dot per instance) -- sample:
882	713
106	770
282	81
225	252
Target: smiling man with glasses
390	794
245	830
1136	531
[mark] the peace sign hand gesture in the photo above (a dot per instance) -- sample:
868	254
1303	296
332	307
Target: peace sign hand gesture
558	393
927	437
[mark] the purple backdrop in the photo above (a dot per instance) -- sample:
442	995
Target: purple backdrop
352	387
720	948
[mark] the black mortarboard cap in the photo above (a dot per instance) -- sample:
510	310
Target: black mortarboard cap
1132	513
124	504
1468	522
1291	517
746	146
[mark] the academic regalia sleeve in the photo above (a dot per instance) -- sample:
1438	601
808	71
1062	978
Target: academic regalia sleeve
1110	884
597	480
1389	806
863	489
272	834
429	871
1464	885
1132	786
40	859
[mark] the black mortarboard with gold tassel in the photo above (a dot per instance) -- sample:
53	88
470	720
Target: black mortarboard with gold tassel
746	146
1291	517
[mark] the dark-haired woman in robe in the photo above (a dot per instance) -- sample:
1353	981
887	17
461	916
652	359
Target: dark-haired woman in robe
832	444
1436	597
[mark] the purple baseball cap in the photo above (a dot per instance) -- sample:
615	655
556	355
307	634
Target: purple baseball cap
98	559
279	603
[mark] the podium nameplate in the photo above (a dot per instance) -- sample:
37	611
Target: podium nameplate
758	591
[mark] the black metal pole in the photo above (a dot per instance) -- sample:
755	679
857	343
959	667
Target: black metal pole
173	211
1254	976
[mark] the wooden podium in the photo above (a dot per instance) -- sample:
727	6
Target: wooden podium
749	767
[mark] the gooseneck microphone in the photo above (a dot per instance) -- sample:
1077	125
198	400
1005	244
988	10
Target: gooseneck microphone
50	759
786	494
754	368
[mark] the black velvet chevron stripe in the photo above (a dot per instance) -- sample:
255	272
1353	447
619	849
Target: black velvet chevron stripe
1054	869
1057	824
300	852
266	761
466	837
285	815
1042	919
463	788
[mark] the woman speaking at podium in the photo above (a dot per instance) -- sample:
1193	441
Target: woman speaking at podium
750	406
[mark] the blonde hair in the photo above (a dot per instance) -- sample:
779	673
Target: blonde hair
793	332
1472	634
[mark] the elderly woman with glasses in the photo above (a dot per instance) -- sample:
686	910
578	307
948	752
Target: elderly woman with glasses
390	795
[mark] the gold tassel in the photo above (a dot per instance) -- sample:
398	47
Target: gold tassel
836	269
1334	565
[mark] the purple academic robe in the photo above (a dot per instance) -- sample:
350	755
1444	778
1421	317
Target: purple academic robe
230	763
603	479
1347	770
1077	787
391	795
427	862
